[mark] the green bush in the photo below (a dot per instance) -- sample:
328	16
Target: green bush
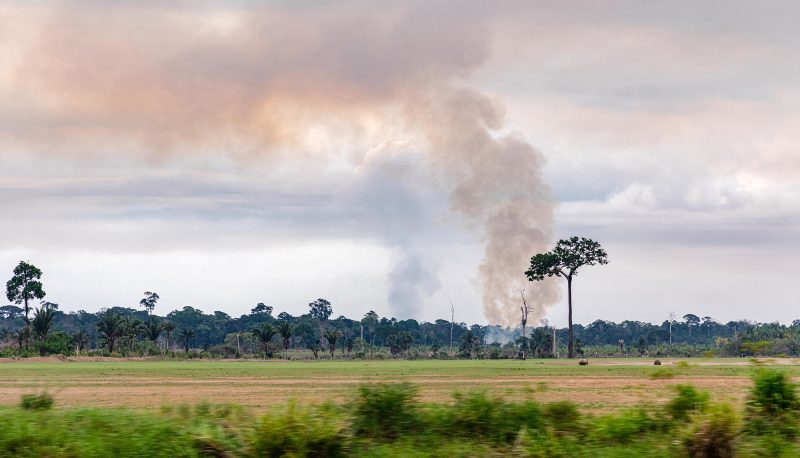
57	343
687	400
624	427
385	411
772	407
772	393
300	433
662	373
563	416
713	434
475	415
42	401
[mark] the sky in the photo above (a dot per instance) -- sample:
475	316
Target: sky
403	156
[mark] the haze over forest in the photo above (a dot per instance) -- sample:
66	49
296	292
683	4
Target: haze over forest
393	156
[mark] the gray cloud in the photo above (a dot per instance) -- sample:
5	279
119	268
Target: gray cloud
219	128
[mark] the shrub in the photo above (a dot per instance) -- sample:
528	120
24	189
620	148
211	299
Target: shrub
476	415
42	401
662	373
687	400
563	416
713	435
772	393
772	406
624	427
299	433
385	411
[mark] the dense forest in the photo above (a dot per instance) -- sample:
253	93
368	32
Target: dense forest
317	334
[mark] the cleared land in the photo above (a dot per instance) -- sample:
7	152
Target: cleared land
603	386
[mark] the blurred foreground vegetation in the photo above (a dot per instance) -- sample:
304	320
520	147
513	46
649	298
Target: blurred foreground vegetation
387	420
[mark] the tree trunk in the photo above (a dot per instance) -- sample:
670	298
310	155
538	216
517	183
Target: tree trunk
571	343
27	325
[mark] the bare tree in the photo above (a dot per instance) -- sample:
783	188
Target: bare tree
525	309
452	323
671	320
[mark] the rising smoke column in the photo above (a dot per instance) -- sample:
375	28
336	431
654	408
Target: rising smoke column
497	185
252	84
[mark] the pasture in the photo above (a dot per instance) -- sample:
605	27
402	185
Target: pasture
605	386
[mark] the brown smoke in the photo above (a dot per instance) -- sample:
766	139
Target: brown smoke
255	83
497	185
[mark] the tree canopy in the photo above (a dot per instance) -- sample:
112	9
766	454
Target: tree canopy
566	258
25	285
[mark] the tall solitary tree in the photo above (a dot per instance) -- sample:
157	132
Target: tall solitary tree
261	309
320	310
692	321
25	286
371	320
149	301
564	261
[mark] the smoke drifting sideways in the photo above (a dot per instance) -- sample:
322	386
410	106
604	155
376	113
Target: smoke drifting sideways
278	83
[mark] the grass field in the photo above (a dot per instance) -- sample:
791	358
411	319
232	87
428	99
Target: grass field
605	385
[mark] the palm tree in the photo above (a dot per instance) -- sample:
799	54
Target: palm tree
186	336
265	334
331	335
152	329
168	326
110	325
81	339
40	325
285	329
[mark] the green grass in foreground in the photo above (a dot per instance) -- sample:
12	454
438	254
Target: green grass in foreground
387	420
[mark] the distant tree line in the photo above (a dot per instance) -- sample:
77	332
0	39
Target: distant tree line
27	328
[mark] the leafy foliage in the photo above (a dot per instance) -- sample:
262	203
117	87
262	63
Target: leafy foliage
25	285
320	309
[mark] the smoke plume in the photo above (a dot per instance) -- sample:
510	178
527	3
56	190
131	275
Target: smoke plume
280	82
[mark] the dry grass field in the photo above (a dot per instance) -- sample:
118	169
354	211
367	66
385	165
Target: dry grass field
605	385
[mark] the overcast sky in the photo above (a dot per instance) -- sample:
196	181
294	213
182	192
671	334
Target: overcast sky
395	156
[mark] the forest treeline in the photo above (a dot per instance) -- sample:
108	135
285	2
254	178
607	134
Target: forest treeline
317	334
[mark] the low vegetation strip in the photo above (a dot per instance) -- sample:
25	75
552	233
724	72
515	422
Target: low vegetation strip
389	420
